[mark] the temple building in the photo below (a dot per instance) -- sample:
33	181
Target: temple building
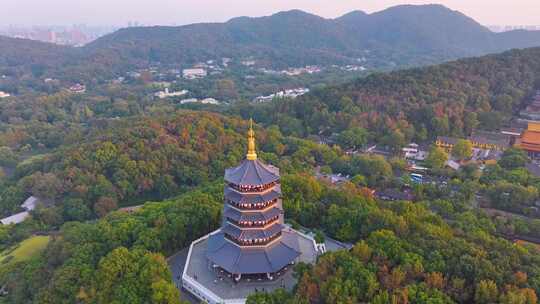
252	239
480	140
530	140
254	249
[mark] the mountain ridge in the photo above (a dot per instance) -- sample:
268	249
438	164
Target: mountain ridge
400	36
401	33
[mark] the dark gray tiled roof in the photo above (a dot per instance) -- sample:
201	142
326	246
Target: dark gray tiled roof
238	197
252	173
491	138
446	139
250	234
481	137
251	216
247	260
395	194
534	169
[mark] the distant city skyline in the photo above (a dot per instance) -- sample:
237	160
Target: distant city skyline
180	12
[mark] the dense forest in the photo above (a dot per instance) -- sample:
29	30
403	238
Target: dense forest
115	260
416	104
430	250
136	160
410	255
86	156
436	250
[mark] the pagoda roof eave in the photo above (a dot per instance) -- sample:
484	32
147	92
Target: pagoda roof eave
237	260
250	197
252	173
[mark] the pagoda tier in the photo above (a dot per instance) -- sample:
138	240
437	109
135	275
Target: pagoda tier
255	218
253	260
253	212
252	176
239	197
252	237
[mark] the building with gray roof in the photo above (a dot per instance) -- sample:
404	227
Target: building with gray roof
251	239
253	243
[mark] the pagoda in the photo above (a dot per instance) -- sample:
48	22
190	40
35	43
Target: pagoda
252	239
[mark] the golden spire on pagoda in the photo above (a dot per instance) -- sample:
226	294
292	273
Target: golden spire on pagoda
251	154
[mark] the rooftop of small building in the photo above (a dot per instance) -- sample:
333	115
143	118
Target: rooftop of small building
15	219
30	203
495	138
447	139
533	126
482	137
530	147
530	137
395	194
512	130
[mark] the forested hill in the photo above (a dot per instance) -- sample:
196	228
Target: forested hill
448	99
399	36
405	34
15	52
437	250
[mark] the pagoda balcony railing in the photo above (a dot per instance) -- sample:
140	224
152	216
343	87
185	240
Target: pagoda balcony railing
252	189
254	224
252	206
253	242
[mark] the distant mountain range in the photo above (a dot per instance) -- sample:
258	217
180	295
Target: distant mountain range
400	36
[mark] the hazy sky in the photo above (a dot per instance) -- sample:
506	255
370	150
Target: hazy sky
149	12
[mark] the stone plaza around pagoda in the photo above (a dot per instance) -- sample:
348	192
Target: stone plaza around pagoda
214	285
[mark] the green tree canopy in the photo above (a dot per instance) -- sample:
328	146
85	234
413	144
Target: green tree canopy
513	158
462	149
353	138
436	158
